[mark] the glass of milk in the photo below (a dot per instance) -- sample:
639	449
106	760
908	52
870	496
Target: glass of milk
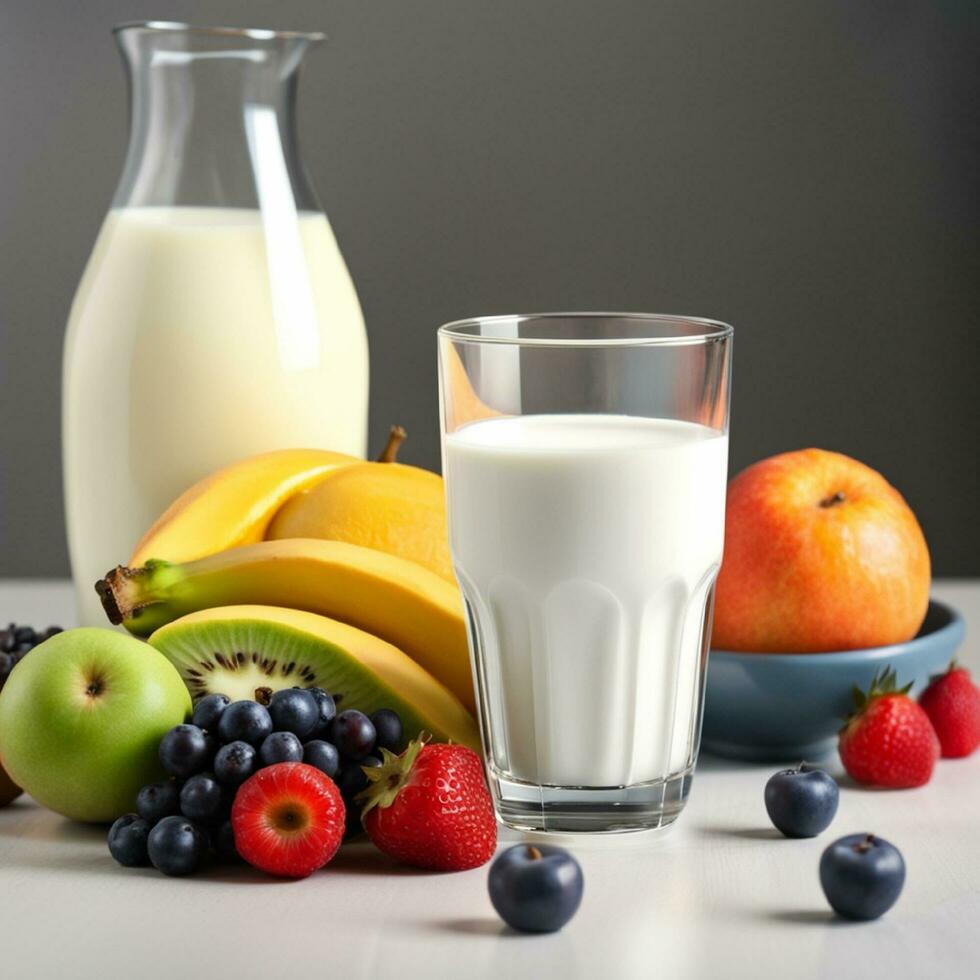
585	458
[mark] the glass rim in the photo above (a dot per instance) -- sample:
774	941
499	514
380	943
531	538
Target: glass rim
706	330
253	33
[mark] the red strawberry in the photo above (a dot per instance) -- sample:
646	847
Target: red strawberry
288	819
889	740
952	702
430	807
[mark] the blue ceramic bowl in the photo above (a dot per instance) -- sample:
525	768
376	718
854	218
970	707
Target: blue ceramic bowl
791	705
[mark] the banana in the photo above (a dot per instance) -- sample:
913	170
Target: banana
234	505
393	598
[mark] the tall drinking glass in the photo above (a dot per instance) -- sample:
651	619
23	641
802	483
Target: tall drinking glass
585	458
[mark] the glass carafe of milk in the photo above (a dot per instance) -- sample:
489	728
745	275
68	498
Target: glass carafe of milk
216	317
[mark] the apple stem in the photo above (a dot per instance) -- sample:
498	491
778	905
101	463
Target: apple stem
396	437
833	501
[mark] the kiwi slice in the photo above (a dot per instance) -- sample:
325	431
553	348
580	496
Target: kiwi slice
238	650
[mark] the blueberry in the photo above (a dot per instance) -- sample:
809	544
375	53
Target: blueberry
127	841
801	802
280	747
862	876
234	763
201	797
246	721
326	711
388	727
158	800
185	750
294	710
7	662
208	711
353	734
177	846
535	888
24	635
223	841
352	780
323	756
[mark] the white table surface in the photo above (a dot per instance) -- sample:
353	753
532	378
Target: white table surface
719	896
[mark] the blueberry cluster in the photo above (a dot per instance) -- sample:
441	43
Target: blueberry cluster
18	641
179	820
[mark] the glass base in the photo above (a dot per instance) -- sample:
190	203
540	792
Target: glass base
585	810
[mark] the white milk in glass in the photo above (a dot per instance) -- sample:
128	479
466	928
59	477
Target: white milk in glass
193	343
589	545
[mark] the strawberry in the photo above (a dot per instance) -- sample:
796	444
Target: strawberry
430	807
288	819
888	740
952	702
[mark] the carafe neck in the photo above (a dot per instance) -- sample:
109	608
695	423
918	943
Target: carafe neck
213	118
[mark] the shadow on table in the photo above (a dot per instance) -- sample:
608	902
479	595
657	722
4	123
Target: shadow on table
806	917
738	833
476	927
19	820
362	858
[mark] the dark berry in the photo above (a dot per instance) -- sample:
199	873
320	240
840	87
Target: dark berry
862	876
201	798
7	662
208	711
128	841
24	635
234	763
801	802
294	710
323	756
326	711
245	721
353	734
49	632
388	727
185	750
177	846
535	888
223	842
352	780
158	800
280	747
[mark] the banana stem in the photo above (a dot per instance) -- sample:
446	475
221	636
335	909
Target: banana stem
396	436
132	596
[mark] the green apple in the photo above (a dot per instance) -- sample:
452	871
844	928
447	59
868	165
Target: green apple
81	719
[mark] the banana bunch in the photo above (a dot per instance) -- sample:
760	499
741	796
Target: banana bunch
363	543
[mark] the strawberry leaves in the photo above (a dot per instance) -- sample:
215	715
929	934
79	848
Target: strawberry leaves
885	681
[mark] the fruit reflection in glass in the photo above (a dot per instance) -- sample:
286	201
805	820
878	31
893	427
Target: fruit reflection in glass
585	458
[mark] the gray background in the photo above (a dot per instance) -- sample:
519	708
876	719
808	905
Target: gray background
805	170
